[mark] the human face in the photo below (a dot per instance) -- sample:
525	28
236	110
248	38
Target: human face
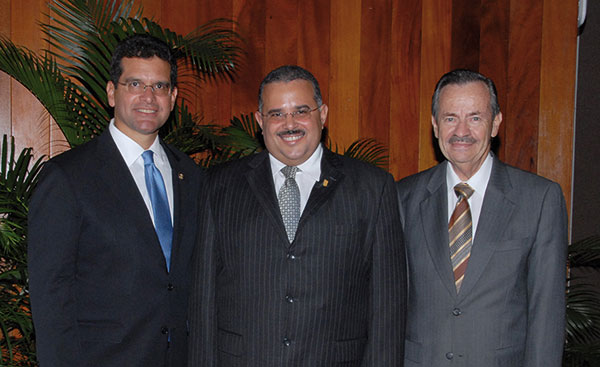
292	140
140	116
465	127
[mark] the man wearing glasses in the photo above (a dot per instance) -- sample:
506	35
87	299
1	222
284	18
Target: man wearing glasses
302	262
112	225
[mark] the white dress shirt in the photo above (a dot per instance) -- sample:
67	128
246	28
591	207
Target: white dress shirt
478	182
132	154
308	173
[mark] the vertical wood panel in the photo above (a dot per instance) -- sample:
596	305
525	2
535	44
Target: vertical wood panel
313	41
5	82
33	127
521	116
250	15
404	91
435	61
281	33
345	71
374	93
465	34
493	58
557	91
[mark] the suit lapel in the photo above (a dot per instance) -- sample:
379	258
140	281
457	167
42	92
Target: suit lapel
116	179
495	213
434	217
260	180
324	189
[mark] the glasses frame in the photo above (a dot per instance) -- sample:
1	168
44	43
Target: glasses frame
293	114
152	87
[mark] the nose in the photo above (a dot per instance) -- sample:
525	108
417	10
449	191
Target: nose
462	128
148	93
290	121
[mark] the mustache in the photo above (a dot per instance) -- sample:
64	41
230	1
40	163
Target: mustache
462	139
290	132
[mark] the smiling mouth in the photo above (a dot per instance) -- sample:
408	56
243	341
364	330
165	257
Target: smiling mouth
145	110
291	135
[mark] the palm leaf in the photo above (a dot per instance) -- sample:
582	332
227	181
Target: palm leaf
368	150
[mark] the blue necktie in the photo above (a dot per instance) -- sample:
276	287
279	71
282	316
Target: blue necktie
160	205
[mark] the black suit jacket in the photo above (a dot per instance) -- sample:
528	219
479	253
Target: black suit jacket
335	295
100	291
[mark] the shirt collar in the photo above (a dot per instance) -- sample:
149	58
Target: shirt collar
478	181
130	150
311	167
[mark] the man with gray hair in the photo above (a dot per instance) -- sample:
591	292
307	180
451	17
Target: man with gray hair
302	262
486	245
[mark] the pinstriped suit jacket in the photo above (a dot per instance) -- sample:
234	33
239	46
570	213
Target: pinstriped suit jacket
336	295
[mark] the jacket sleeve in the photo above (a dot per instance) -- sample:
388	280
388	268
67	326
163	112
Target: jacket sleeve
53	229
388	285
546	284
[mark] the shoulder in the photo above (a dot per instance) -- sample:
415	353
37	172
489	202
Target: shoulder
420	181
354	169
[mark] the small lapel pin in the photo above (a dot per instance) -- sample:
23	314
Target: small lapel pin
325	183
180	176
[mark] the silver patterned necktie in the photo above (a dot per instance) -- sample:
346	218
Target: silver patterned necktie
289	201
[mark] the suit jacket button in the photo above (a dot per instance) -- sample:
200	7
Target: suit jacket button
456	312
291	256
449	355
287	342
170	287
164	330
289	299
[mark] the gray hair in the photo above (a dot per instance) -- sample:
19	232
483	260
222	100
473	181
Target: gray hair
288	73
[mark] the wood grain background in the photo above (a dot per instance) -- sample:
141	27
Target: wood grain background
377	62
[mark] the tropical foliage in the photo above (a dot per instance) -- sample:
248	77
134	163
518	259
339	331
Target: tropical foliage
17	179
582	348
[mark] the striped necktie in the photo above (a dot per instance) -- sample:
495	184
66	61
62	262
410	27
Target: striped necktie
460	233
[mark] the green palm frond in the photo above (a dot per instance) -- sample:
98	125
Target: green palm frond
368	150
585	252
243	135
76	115
184	132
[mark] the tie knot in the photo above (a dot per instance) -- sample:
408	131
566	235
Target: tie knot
148	157
289	171
462	189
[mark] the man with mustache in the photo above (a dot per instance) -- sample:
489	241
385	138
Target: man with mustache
112	225
486	245
303	262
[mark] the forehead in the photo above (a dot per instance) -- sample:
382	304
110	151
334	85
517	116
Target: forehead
470	95
153	67
295	92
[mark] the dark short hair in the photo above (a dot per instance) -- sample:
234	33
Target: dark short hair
288	73
143	46
461	77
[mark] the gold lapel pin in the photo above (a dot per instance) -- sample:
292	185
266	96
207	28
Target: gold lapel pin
180	176
325	183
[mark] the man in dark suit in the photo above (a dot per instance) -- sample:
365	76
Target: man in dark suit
112	225
486	245
303	263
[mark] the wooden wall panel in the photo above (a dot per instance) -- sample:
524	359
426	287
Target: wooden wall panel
345	71
377	62
436	47
374	84
5	81
404	99
557	91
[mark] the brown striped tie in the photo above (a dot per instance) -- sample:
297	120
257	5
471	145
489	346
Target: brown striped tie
460	233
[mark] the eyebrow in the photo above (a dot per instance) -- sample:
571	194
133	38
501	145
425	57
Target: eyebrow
297	108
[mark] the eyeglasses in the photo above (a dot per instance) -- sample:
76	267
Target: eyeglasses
159	88
299	115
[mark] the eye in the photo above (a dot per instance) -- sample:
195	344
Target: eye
476	118
275	115
161	85
302	113
134	84
450	119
